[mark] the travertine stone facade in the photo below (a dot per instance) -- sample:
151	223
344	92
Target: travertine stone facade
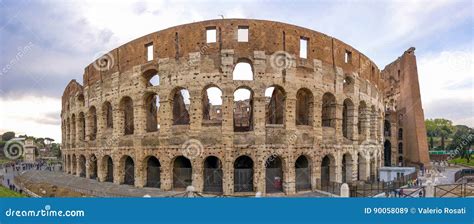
325	122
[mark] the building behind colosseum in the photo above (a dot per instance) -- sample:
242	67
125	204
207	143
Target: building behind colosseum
238	106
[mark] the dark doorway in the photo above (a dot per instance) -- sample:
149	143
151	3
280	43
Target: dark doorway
129	171
182	173
153	172
110	170
212	175
243	174
273	175
387	151
303	174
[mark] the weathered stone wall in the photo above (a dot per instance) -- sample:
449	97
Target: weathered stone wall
183	60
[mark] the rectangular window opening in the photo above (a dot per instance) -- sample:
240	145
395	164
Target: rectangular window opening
348	57
243	34
303	47
211	35
149	52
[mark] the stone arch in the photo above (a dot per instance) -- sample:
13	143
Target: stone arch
243	109
74	164
362	123
213	175
243	174
128	168
73	130
107	115
82	126
400	148
92	123
108	168
182	172
304	107
68	164
387	128
274	174
243	70
275	98
82	166
346	168
400	134
180	105
80	100
212	105
328	111
347	118
303	173
126	109
92	167
153	172
348	84
328	169
152	105
387	151
151	77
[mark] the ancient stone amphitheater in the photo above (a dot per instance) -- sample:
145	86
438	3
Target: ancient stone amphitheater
237	106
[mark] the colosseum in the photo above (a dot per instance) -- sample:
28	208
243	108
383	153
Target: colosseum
239	106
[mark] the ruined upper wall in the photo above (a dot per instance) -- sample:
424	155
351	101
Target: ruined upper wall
267	36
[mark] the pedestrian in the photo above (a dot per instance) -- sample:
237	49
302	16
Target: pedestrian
401	192
420	194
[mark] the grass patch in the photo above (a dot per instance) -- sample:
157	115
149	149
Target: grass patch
463	161
7	193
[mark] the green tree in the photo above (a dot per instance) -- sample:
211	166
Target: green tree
439	127
462	141
8	135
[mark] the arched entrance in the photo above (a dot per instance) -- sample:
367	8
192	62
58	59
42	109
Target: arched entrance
243	174
82	166
109	168
182	173
346	168
387	152
273	174
153	172
93	167
212	175
303	174
326	172
129	171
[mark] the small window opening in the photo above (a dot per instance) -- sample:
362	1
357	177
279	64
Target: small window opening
211	35
243	34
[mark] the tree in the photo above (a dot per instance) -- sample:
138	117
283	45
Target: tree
439	127
8	135
463	138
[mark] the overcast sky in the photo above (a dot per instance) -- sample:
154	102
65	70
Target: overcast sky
45	44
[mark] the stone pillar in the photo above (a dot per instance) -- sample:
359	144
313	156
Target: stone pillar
118	170
197	175
166	176
259	174
289	174
139	170
259	117
88	163
101	169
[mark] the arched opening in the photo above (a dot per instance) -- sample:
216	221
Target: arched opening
82	126
107	115
304	107
68	131
129	171
362	123
361	167
151	78
180	104
213	175
243	71
182	173
400	134
92	123
275	105
243	174
400	160
400	148
74	164
243	110
348	84
80	100
73	131
82	166
273	174
153	167
373	170
212	106
387	128
373	123
327	170
152	105
93	167
346	168
328	113
347	118
68	164
126	107
108	168
387	149
303	174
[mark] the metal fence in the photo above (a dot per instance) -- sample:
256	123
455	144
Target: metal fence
329	186
370	189
463	173
182	177
213	180
243	180
273	180
454	190
303	179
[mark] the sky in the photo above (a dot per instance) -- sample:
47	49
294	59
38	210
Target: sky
45	44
